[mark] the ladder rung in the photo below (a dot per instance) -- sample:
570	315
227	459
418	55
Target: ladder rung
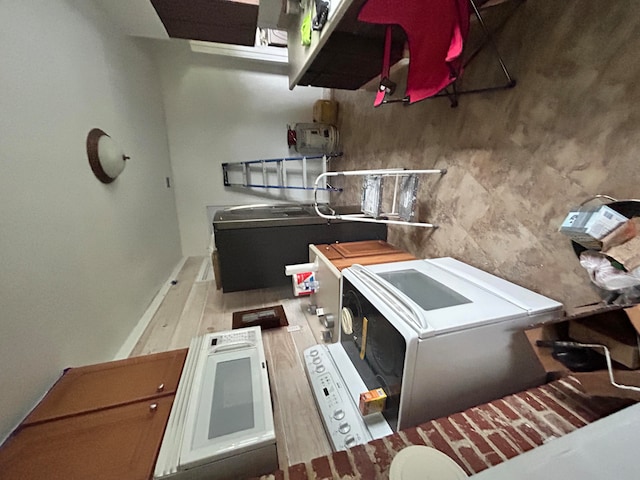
282	173
245	174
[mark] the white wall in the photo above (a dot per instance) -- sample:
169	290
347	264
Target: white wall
220	110
79	261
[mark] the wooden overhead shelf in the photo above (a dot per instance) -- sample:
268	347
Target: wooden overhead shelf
221	21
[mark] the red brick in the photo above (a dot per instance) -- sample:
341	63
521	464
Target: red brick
362	462
479	417
503	445
476	464
500	423
519	440
529	398
561	410
506	410
439	443
342	463
539	423
449	429
489	453
531	433
321	468
381	454
559	423
396	443
574	401
298	472
413	437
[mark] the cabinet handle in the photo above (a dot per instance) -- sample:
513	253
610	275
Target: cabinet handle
153	407
160	387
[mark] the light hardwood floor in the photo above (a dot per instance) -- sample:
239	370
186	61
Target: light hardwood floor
193	307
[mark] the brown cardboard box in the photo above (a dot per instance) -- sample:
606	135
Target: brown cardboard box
372	401
595	383
612	329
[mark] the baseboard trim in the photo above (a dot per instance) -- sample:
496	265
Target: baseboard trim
144	321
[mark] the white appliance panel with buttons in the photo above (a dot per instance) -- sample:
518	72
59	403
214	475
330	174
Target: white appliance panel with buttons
340	415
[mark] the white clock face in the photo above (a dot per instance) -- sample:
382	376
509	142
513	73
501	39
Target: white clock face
346	319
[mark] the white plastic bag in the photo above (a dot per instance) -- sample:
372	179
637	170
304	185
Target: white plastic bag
605	275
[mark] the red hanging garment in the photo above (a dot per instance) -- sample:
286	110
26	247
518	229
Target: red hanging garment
436	31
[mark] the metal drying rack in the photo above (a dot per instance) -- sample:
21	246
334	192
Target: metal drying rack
402	205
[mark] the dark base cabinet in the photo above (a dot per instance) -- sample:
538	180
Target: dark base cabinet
252	258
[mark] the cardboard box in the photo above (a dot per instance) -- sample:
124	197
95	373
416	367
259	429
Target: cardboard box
614	330
372	401
596	383
590	225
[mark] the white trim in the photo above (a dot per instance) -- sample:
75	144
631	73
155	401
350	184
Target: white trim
259	53
206	270
144	321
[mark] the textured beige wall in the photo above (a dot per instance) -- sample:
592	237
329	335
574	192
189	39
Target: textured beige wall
518	159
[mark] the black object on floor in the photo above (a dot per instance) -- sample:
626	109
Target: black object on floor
267	317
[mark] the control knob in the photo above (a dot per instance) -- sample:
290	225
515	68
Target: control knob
344	428
350	441
327	320
326	336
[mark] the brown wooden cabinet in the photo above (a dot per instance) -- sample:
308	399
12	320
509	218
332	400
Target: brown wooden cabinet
115	443
103	421
369	252
223	21
105	385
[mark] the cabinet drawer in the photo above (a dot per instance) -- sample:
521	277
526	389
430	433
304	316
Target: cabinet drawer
113	444
105	385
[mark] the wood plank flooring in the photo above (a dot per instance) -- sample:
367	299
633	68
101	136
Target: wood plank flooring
193	307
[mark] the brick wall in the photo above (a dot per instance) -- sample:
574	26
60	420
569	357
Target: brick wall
475	439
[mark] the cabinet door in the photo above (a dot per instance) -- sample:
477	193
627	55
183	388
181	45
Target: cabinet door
361	249
329	252
369	252
373	259
112	444
104	385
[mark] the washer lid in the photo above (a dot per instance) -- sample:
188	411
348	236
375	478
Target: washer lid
424	463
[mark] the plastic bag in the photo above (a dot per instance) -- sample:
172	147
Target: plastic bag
605	275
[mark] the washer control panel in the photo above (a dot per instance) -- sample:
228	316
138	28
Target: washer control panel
341	418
